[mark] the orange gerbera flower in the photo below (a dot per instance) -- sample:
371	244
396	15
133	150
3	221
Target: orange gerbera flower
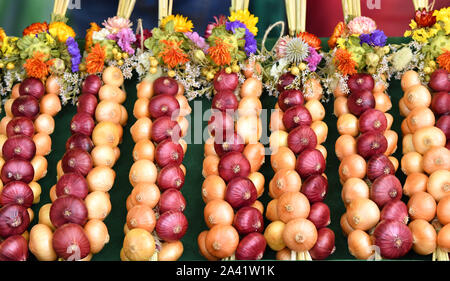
94	27
337	32
311	39
36	66
35	28
172	54
95	60
344	62
444	60
220	53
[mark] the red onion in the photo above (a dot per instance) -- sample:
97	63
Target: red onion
164	105
171	200
315	188
310	162
360	82
385	189
167	152
285	80
240	192
324	246
17	170
20	126
171	226
301	138
225	100
394	239
165	85
25	106
225	81
248	220
220	123
372	120
14	220
91	85
440	104
33	87
379	165
290	98
443	123
68	209
232	165
77	160
440	80
319	215
80	141
164	128
170	176
358	102
72	184
296	116
70	242
17	192
395	210
82	123
227	143
14	248
19	147
87	103
251	247
370	144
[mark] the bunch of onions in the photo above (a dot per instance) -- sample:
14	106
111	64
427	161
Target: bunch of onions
73	223
232	182
156	203
364	148
426	160
299	218
25	132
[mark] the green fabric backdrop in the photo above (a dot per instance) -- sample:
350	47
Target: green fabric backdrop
194	179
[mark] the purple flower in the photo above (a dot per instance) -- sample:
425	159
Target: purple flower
74	52
124	38
197	39
250	41
376	38
313	59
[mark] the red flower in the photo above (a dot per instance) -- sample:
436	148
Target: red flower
424	18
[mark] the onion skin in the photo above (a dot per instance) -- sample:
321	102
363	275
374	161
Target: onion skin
33	87
164	105
319	215
248	220
301	138
324	246
68	209
251	247
168	152
384	189
440	104
394	239
395	210
370	144
14	248
21	147
72	184
17	169
171	226
91	85
440	80
315	188
372	120
87	103
240	192
79	141
224	101
310	162
225	81
14	220
232	165
70	242
424	237
285	80
170	176
290	98
20	126
379	165
296	116
17	192
165	85
171	200
360	82
25	106
77	160
358	102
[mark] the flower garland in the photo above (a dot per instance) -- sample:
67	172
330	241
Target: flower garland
111	45
356	47
43	50
430	45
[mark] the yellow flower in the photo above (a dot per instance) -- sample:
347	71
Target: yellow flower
61	31
413	24
341	43
49	38
246	18
9	49
407	33
181	24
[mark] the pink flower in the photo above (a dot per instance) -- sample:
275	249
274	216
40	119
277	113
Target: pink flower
197	40
116	24
281	46
125	39
218	21
362	25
